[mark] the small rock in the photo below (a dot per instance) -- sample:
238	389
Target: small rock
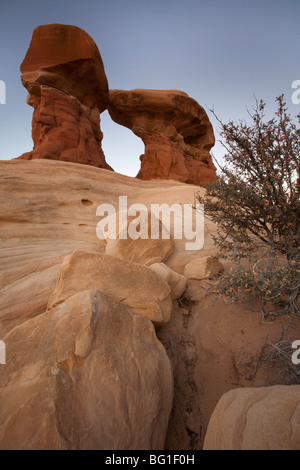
177	282
206	267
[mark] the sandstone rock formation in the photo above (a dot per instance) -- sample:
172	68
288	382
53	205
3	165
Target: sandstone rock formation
176	281
85	367
44	219
175	130
64	75
205	267
144	249
266	418
86	375
214	346
198	273
141	290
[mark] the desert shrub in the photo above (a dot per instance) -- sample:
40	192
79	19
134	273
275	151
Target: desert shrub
256	206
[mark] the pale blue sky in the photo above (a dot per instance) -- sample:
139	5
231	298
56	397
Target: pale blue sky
221	53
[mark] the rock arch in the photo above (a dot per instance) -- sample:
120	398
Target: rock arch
68	89
176	132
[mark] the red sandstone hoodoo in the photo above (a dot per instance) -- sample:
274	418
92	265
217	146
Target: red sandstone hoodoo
68	89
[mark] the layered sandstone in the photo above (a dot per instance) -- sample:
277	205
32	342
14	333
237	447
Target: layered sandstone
43	219
68	89
214	345
176	132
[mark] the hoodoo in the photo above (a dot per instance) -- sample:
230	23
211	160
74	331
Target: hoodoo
68	89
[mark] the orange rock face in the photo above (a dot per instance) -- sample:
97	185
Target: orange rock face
64	75
176	132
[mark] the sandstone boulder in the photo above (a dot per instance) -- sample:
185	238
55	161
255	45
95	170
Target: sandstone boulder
64	75
176	281
266	418
144	249
141	290
176	132
86	375
206	267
